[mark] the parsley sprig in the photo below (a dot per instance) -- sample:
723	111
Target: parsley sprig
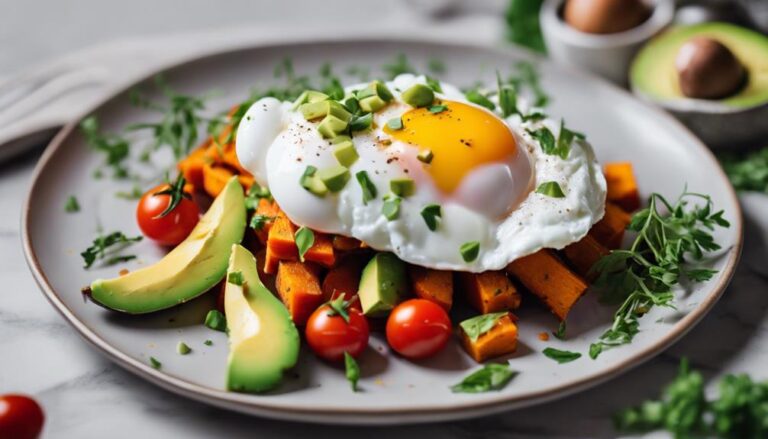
671	240
107	248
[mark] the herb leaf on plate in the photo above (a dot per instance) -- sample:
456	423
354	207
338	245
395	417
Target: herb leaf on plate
492	376
561	356
106	247
476	326
671	241
352	370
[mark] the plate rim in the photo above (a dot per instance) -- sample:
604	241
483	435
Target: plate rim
374	416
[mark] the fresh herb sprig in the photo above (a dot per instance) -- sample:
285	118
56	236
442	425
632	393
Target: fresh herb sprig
740	411
523	24
747	172
671	240
107	247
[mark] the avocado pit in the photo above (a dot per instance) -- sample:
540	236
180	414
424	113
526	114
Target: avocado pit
708	69
605	16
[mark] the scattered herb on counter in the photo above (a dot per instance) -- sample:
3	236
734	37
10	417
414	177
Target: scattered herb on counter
740	411
492	376
561	356
183	349
71	205
560	333
216	320
523	24
114	147
747	172
305	238
352	370
671	240
155	363
476	326
106	247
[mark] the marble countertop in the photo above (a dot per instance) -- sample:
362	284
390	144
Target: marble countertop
86	396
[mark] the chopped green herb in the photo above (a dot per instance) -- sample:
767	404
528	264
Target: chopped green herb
339	307
105	247
431	213
470	251
425	156
671	241
546	139
258	221
216	320
71	206
434	84
367	186
208	342
115	148
437	109
492	376
560	333
305	238
396	123
523	24
550	189
235	278
155	363
182	348
561	356
480	99
747	172
176	193
360	122
528	77
398	66
507	98
565	139
391	207
476	326
352	370
402	187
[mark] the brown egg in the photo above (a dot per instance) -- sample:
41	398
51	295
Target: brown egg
707	69
605	16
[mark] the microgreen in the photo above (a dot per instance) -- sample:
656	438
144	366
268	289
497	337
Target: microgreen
106	247
507	98
671	241
492	376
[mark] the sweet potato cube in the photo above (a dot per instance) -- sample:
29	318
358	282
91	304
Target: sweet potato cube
488	292
346	243
548	278
215	178
609	231
281	240
270	210
322	250
584	254
622	185
271	262
343	279
500	340
433	285
192	166
299	288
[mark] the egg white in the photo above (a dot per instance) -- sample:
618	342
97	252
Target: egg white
276	144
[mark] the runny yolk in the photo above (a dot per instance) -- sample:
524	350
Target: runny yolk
461	138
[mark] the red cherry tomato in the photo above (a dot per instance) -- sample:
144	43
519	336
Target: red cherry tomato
20	417
329	335
418	328
172	228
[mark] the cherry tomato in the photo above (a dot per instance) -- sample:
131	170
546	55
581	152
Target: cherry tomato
418	328
20	417
172	228
329	335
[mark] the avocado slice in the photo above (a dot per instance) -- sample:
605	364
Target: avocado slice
187	271
383	284
263	341
654	75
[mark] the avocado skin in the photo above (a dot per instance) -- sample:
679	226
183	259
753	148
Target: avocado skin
187	271
264	342
383	284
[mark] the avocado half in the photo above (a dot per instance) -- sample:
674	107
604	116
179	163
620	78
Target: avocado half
736	119
187	271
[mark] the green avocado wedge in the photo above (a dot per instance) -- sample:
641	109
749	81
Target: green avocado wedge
187	271
263	341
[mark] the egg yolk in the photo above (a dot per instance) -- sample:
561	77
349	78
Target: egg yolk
461	138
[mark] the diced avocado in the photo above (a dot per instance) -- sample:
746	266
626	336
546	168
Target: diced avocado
312	183
316	110
334	178
654	73
404	187
187	271
263	341
418	95
309	96
372	104
345	152
383	284
331	126
425	156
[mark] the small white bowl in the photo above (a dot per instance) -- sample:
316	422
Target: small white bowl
608	55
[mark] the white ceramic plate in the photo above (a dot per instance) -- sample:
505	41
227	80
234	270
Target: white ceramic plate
665	155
